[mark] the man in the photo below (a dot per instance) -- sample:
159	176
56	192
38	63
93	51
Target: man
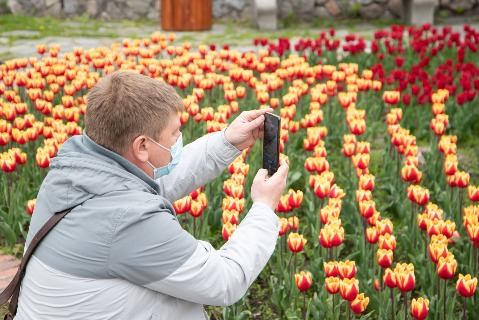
121	253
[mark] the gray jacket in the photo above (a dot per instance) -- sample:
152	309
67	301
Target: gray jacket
121	253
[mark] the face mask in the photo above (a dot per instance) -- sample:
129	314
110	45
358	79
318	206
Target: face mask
175	152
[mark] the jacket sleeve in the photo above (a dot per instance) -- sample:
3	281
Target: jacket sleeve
222	277
165	258
201	161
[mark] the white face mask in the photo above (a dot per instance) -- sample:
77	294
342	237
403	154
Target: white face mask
175	152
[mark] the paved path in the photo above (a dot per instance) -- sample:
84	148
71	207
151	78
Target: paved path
8	268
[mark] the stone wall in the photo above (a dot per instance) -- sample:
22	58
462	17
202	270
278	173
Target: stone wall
232	9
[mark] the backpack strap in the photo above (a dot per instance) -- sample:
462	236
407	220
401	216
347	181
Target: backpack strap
13	288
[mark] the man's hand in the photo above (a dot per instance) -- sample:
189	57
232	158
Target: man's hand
269	189
246	128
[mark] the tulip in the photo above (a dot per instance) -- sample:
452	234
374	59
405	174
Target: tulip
433	211
284	226
31	206
347	269
473	193
411	173
233	189
42	158
372	235
303	280
419	308
319	151
293	223
387	242
437	250
336	192
462	179
446	266
331	269
374	219
332	284
295	198
389	278
406	280
384	227
296	242
196	209
385	257
466	286
420	195
349	149
182	205
349	288
363	195
473	230
231	216
391	97
349	138
335	203
283	205
422	221
367	208
448	228
322	188
228	230
434	227
361	160
366	182
359	304
438	127
230	203
327	213
357	126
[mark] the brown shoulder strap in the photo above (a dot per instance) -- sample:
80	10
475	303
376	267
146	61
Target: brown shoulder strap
13	288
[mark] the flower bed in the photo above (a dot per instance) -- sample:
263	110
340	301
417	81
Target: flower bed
379	207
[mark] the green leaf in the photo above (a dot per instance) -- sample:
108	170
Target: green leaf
8	233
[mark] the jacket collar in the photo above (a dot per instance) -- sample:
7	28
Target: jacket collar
127	165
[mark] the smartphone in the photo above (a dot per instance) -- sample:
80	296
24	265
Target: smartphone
271	138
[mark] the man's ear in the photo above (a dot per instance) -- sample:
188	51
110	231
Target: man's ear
139	148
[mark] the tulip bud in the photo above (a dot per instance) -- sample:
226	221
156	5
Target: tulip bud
332	284
303	280
347	269
228	230
419	308
349	288
296	242
446	266
385	257
466	286
359	304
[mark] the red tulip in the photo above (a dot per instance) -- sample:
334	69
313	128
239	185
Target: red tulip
359	304
303	280
419	308
349	288
466	286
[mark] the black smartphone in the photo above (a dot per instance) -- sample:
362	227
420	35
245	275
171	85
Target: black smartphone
272	127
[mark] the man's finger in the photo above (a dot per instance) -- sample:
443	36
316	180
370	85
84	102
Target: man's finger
253	114
261	174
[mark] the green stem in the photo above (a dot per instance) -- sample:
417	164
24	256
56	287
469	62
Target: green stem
464	309
304	305
444	299
334	302
194	227
392	304
405	305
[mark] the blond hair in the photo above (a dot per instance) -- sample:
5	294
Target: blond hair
125	105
